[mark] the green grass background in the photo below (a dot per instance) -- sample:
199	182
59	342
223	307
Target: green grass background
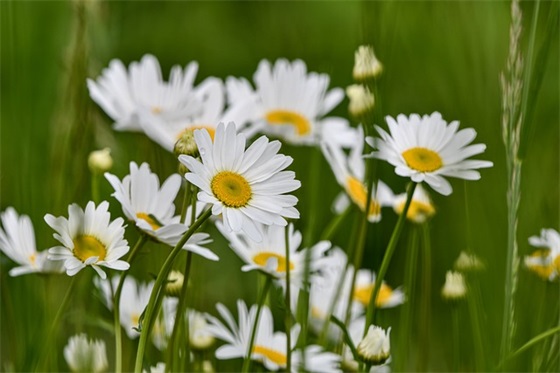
441	56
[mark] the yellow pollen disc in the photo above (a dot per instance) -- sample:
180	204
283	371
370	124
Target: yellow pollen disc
416	210
32	258
317	313
544	271
262	258
150	220
211	131
362	294
156	110
422	159
358	194
298	121
86	246
231	189
276	357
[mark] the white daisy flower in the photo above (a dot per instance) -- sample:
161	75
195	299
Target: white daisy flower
375	347
356	332
269	347
127	97
17	241
316	360
427	149
349	171
152	208
269	255
363	288
244	186
83	355
291	103
88	238
545	262
421	207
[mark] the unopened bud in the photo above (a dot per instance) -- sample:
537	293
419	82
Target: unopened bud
100	161
366	65
186	144
454	287
174	284
468	262
361	101
375	348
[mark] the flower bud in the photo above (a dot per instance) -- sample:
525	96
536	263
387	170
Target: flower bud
83	355
375	348
361	101
174	284
455	287
468	262
186	144
100	161
366	65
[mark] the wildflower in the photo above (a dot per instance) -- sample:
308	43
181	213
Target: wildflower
245	186
158	368
89	239
366	65
174	283
427	148
151	208
131	97
316	360
349	171
269	255
454	287
17	241
365	283
361	101
199	336
421	207
186	144
83	355
100	161
545	262
375	348
291	103
468	262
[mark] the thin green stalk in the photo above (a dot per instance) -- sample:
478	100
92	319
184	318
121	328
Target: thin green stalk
456	338
116	304
426	300
288	317
347	337
473	301
370	313
532	342
262	297
186	201
95	187
47	345
151	308
335	223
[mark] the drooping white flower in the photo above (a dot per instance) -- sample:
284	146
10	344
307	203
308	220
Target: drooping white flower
468	262
421	207
151	208
362	100
269	346
349	171
366	65
545	262
246	187
454	287
88	238
291	103
17	241
427	149
83	355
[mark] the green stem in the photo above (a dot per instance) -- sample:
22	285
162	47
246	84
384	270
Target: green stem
43	359
116	304
335	223
347	337
262	297
532	342
95	187
288	302
425	312
474	301
186	201
370	313
456	338
151	308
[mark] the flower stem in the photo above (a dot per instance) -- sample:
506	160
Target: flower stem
116	304
262	297
186	201
426	300
456	337
288	302
370	313
95	187
152	308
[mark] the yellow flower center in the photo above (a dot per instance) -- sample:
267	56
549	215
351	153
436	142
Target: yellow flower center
362	294
156	110
33	258
263	257
150	219
231	189
422	159
211	130
317	313
276	357
286	117
542	270
86	246
358	194
417	211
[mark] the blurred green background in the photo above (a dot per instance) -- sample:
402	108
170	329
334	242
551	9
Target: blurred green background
438	56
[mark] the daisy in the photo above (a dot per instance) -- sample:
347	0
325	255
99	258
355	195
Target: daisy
88	238
349	171
421	207
244	186
545	262
269	347
17	241
151	208
356	331
316	360
291	103
375	347
269	255
83	355
387	297
129	97
427	149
